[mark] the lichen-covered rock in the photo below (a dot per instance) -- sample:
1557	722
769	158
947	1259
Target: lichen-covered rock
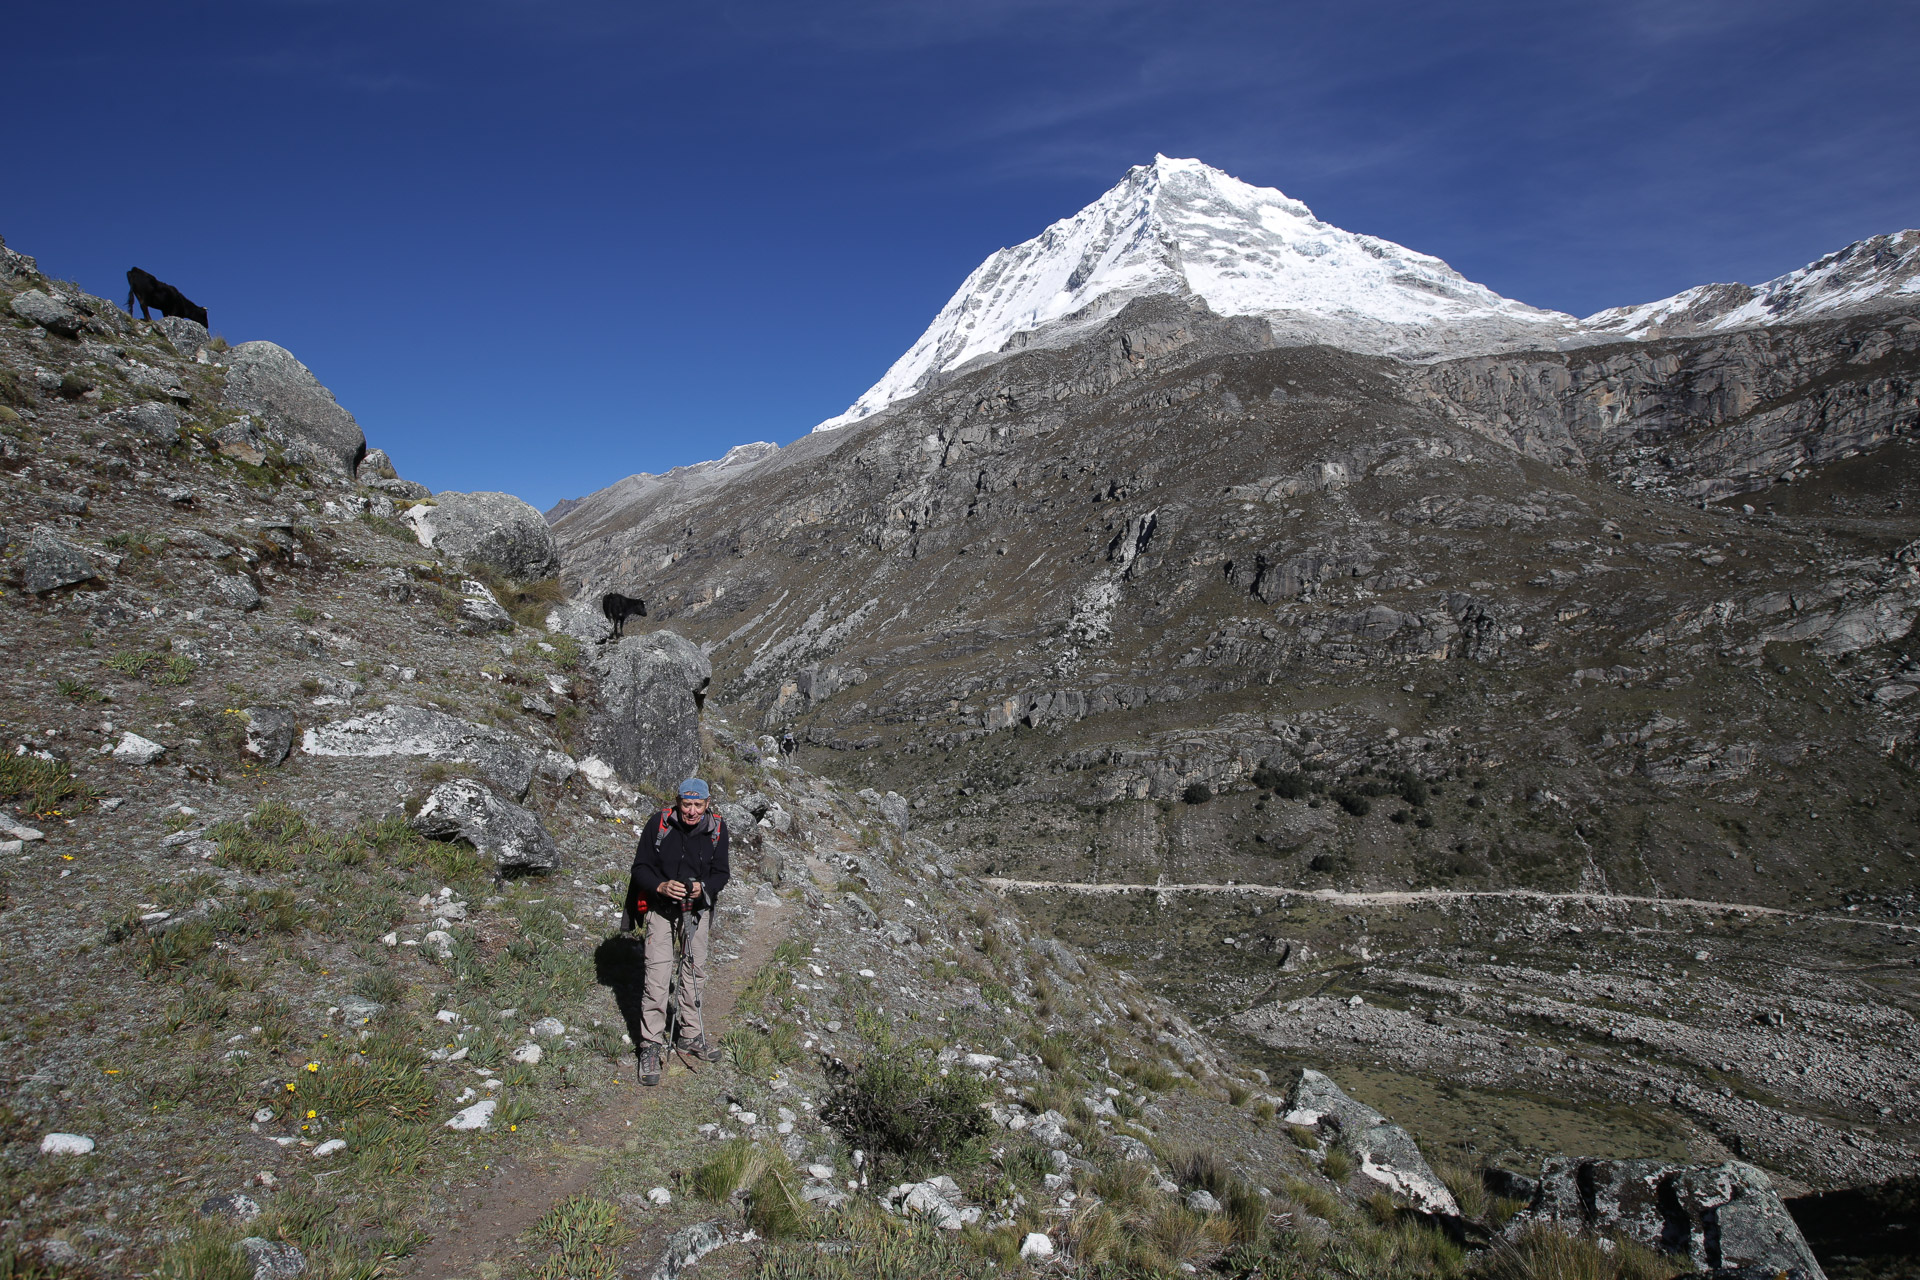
647	724
1387	1152
157	422
494	529
583	623
187	336
507	761
269	733
481	614
268	381
235	592
1720	1216
51	562
499	829
48	312
375	466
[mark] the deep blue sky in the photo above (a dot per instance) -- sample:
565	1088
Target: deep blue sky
539	245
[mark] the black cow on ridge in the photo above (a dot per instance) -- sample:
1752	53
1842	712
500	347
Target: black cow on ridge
162	297
619	608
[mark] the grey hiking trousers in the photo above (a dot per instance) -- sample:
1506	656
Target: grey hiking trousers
693	928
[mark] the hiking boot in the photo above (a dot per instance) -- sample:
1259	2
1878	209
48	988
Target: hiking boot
650	1063
698	1048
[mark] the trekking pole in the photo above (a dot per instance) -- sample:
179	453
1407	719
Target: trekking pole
678	989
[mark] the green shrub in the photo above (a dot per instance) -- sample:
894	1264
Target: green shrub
899	1108
1353	802
1197	793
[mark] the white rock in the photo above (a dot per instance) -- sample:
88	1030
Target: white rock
263	1115
466	1095
1036	1245
440	942
477	1116
491	1083
1202	1201
660	1196
446	1015
65	1144
330	1146
391	939
866	973
824	1172
527	1054
134	749
547	1028
14	831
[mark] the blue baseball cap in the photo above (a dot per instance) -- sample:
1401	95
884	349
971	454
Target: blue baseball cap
693	789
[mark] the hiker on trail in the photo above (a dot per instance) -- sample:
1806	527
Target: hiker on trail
787	745
679	869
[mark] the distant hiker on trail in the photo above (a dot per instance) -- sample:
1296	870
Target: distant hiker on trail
679	869
787	745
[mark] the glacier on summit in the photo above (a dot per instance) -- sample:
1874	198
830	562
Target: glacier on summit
1185	228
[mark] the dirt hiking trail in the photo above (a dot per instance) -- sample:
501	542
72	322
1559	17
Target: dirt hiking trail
1407	897
495	1214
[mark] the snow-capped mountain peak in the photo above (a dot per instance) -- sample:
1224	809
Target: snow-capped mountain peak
1183	227
1867	273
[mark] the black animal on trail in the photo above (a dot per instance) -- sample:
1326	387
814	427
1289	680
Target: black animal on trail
619	608
162	297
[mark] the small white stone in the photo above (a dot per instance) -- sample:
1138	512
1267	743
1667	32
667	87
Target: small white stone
65	1144
660	1196
391	939
823	1172
446	1015
785	1126
527	1054
440	942
330	1146
477	1116
263	1115
547	1028
134	749
1036	1245
866	973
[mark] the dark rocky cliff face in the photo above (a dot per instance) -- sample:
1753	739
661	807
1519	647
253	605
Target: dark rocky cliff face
1700	417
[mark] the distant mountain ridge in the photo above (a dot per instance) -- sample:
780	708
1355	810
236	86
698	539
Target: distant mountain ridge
1866	275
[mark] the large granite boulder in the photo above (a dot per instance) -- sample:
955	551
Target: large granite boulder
510	835
1386	1152
494	529
508	762
647	722
1720	1216
268	381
